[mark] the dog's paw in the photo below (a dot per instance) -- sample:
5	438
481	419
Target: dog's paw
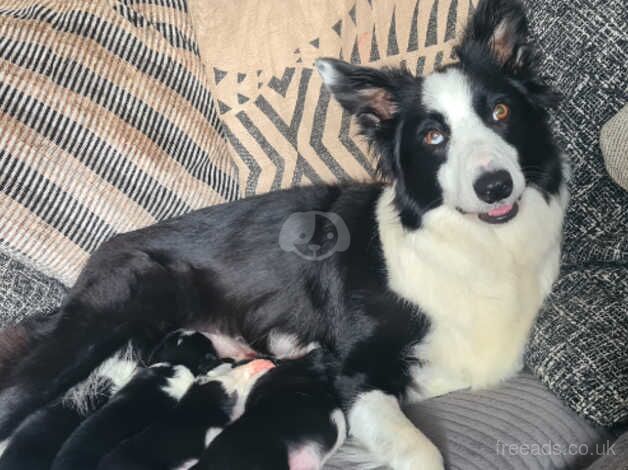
423	456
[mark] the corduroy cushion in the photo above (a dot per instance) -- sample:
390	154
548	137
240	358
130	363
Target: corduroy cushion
106	125
614	145
282	125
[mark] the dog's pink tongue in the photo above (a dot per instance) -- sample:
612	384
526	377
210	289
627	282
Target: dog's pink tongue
501	210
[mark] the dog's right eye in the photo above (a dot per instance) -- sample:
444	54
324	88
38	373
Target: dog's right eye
434	137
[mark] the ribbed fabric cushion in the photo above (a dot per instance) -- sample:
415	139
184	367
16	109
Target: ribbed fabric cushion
614	145
106	125
519	425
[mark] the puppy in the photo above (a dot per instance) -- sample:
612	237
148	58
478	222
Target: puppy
37	440
292	421
151	392
176	440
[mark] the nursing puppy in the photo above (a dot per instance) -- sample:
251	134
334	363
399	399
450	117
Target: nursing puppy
178	438
149	393
292	421
37	440
423	284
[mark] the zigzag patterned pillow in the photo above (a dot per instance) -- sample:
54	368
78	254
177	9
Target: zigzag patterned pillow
279	119
106	125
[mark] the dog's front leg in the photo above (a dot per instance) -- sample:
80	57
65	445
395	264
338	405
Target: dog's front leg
376	420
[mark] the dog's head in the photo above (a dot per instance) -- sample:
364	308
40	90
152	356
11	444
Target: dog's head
472	135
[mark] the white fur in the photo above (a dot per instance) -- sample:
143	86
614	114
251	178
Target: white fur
116	370
328	72
211	434
473	148
481	285
187	464
338	418
379	424
288	346
179	383
3	445
227	346
236	381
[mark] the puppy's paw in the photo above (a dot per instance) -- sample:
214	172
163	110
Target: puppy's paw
420	456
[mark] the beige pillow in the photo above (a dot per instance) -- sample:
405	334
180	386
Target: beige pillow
614	144
106	125
282	126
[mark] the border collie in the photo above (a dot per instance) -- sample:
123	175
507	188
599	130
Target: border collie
448	263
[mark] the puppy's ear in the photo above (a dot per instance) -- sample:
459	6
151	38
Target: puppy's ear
502	27
364	92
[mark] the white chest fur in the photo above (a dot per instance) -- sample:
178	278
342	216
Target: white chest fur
481	285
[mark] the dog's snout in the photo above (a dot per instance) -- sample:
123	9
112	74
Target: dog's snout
493	186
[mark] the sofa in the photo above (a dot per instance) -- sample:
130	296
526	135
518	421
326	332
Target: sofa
158	124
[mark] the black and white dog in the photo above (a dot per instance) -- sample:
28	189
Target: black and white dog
446	266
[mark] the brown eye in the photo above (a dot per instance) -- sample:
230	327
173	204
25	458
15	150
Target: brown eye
434	137
501	112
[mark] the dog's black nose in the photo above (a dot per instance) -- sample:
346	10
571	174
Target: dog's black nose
494	186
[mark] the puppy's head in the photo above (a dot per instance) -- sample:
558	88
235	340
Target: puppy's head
472	136
191	349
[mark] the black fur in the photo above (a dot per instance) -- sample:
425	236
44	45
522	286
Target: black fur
177	435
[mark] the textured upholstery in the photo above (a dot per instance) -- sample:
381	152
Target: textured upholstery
578	346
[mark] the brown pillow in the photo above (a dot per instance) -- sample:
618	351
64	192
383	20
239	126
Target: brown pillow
106	125
281	124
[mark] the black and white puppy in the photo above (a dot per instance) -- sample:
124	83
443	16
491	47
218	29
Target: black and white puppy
149	393
177	438
37	440
444	270
292	421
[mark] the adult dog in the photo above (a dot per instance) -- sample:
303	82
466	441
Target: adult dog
436	288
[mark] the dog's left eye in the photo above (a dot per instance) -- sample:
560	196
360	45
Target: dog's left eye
434	137
501	112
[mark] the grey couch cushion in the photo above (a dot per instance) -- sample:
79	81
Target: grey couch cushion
518	425
24	290
578	344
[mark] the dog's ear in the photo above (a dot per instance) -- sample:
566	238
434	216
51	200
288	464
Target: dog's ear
499	29
370	95
364	92
502	27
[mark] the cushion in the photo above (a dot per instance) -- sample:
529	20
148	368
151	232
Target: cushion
518	425
106	125
614	145
282	125
578	346
24	290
